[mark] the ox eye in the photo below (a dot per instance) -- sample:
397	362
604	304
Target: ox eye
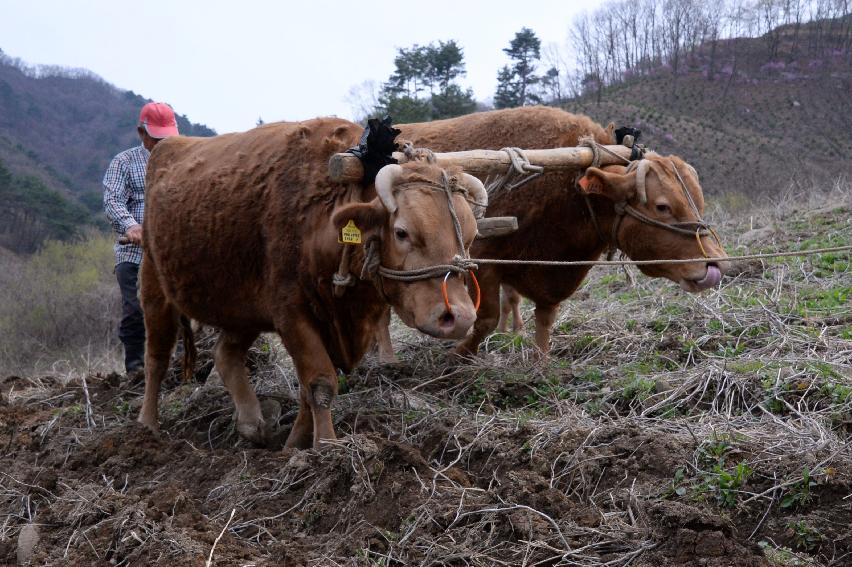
401	233
664	209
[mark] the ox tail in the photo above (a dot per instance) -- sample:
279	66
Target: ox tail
190	353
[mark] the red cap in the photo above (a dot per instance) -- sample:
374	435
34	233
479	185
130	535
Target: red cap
158	119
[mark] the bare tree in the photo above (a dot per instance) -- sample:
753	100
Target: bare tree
626	37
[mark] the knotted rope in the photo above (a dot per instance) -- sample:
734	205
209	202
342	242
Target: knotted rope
520	172
592	144
417	154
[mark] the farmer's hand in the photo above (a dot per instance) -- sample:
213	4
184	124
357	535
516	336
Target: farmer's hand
134	234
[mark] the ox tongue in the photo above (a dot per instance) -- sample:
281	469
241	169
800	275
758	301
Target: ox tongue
711	279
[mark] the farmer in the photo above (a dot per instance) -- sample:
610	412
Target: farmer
124	203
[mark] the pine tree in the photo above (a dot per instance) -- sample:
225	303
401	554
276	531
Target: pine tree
445	63
452	101
422	88
515	84
507	92
551	86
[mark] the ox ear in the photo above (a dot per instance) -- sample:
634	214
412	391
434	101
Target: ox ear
367	217
614	186
610	132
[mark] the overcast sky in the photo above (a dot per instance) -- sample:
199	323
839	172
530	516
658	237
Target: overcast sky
226	63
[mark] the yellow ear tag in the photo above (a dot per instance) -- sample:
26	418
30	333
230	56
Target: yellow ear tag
350	234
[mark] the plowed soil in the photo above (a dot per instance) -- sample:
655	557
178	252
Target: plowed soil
665	429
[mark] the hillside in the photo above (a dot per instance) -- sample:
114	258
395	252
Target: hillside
750	123
60	127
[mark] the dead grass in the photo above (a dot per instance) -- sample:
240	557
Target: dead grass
665	428
60	306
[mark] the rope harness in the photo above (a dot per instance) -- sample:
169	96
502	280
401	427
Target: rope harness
698	228
558	263
520	172
460	265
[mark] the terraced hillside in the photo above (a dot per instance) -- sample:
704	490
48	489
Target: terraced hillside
750	124
665	429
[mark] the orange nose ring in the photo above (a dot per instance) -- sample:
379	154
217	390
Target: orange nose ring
447	297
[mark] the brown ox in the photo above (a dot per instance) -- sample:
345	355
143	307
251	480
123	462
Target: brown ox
554	221
241	232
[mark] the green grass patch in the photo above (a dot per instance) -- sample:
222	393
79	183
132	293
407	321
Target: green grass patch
507	342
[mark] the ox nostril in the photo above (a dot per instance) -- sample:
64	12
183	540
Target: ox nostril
447	320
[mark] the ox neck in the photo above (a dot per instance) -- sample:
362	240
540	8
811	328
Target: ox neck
604	219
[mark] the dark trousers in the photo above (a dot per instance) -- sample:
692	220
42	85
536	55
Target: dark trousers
131	331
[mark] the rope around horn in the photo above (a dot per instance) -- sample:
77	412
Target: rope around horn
461	262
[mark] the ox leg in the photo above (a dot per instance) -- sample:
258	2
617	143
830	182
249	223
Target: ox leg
302	434
161	324
486	319
517	318
383	339
510	305
230	360
317	384
545	316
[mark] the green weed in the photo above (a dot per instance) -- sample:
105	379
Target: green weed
637	388
122	408
805	537
507	342
799	495
342	384
747	367
726	483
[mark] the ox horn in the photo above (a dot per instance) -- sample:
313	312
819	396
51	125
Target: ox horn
641	172
385	180
477	191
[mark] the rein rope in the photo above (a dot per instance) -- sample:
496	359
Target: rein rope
557	263
698	228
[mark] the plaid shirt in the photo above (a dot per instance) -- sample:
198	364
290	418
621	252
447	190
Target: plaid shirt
124	198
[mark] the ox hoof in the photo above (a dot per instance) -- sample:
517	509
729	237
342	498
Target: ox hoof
253	431
388	359
152	425
540	356
300	438
463	352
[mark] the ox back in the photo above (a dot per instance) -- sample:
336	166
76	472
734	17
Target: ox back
553	221
237	230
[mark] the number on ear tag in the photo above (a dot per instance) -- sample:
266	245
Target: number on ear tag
350	234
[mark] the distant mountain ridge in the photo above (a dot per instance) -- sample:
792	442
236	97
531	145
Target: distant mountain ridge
59	128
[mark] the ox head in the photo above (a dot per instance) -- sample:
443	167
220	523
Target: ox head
660	190
411	220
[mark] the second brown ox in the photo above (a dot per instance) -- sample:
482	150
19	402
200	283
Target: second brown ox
555	223
241	233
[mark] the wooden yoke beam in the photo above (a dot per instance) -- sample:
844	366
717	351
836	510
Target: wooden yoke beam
346	168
